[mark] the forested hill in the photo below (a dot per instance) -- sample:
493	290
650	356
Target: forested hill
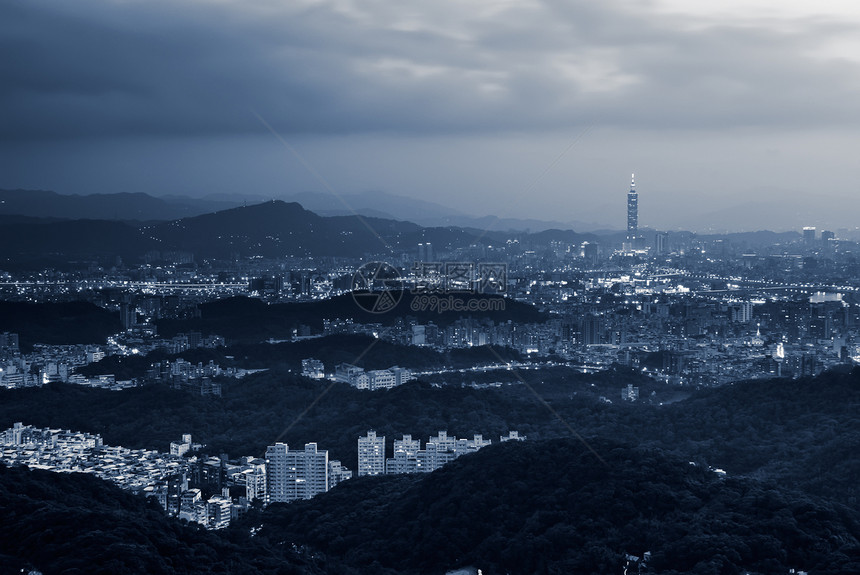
75	524
245	319
803	433
547	505
57	323
554	507
533	507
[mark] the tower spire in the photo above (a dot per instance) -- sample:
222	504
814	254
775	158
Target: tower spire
632	211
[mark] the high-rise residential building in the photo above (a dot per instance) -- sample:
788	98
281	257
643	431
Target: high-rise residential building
407	444
175	486
591	328
9	342
661	243
427	458
313	368
127	315
293	475
742	312
632	211
464	446
438	451
809	235
443	442
590	252
218	511
425	252
315	470
405	458
251	474
14	435
419	335
371	454
337	473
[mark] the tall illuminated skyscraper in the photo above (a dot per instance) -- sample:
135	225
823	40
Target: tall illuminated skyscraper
632	211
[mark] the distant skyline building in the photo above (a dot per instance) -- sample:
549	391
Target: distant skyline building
127	315
9	342
425	252
632	211
661	243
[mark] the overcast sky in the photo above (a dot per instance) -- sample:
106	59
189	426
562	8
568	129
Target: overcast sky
742	115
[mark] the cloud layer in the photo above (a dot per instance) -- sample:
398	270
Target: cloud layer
101	68
95	78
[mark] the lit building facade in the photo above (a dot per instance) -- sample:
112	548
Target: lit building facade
371	454
293	475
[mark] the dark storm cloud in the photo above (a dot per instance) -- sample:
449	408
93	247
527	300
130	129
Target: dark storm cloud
108	68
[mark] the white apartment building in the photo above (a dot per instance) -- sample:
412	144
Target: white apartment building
293	475
371	455
405	458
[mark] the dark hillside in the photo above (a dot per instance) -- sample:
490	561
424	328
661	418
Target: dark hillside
58	323
243	319
76	524
553	507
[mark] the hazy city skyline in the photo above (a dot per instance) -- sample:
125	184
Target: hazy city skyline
735	118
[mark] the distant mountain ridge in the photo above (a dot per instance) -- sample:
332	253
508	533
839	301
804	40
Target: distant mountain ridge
145	207
119	206
732	218
271	229
276	229
425	213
